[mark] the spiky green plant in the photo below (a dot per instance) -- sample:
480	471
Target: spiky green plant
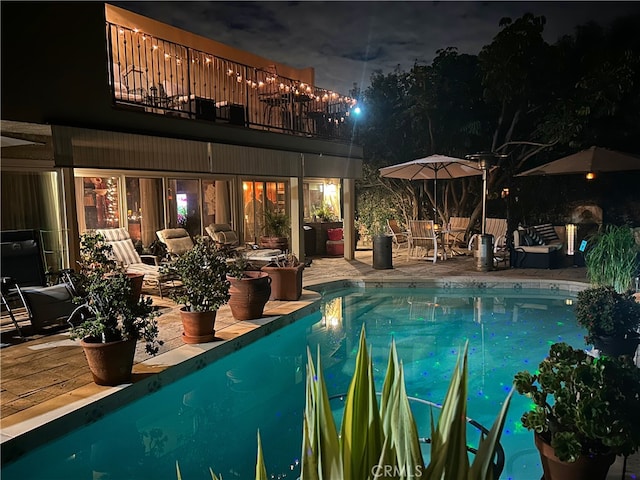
612	258
377	443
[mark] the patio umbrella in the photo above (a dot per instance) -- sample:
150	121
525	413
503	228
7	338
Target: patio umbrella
433	167
589	161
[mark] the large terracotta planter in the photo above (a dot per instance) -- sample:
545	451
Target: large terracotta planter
249	294
198	326
110	363
615	346
286	282
584	468
281	243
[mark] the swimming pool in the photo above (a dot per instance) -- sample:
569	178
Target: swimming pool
210	418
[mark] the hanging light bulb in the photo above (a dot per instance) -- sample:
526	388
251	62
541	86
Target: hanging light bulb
591	176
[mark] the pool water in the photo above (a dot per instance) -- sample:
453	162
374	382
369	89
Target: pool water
210	418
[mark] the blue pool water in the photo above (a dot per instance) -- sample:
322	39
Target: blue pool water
210	418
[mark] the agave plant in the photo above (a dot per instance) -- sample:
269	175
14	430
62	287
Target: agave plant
376	442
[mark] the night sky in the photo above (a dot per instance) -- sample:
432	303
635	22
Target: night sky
347	41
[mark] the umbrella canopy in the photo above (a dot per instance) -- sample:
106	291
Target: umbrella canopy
591	160
433	167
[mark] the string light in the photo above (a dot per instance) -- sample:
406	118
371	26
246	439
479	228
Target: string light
296	87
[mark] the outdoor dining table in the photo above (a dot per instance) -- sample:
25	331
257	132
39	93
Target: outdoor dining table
448	237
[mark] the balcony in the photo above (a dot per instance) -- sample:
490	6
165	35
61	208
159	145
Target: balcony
153	75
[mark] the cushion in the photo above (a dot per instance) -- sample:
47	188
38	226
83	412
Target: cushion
532	233
547	233
526	240
220	227
123	248
222	233
334	234
174	233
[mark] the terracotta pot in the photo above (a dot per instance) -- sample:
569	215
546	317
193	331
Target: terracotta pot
584	468
249	295
615	346
286	282
281	243
110	363
198	326
137	279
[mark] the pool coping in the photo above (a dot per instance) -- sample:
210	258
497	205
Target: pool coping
90	403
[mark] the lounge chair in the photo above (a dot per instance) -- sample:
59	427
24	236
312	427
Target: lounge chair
177	241
224	237
25	287
126	255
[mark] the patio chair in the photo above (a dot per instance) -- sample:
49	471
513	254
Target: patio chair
126	255
457	231
177	241
224	237
423	236
25	287
400	236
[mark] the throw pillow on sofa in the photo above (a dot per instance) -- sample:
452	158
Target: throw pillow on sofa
532	233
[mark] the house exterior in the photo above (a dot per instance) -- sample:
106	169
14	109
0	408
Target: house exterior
112	119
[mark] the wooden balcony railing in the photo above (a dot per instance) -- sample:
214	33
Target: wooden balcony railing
162	77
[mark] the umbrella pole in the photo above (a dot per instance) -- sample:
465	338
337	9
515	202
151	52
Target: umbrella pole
435	197
484	199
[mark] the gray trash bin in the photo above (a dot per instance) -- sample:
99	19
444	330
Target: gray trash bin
484	253
382	253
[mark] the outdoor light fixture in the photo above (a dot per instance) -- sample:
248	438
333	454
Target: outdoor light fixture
590	176
485	160
571	229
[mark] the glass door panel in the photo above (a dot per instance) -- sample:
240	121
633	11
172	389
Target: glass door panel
183	203
256	197
145	210
216	201
100	203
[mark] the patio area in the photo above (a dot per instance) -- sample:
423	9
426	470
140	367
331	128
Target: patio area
46	376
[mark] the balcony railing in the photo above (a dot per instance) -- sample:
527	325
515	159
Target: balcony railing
162	77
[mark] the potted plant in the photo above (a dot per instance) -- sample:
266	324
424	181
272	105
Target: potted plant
612	257
111	317
286	278
324	213
585	411
249	291
612	319
276	230
205	288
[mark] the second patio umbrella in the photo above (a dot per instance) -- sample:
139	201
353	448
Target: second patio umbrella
589	161
433	167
